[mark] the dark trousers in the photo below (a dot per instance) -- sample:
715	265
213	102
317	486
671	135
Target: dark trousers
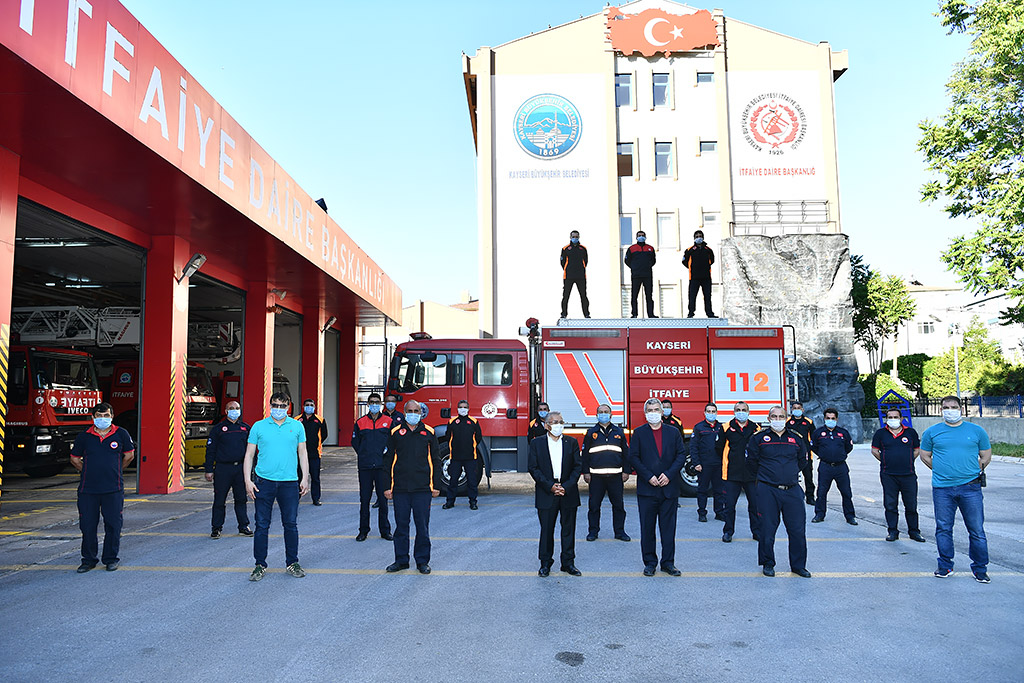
418	504
581	287
90	505
565	512
455	470
808	473
227	476
286	493
697	284
660	510
771	502
600	484
314	475
369	480
894	486
709	483
648	284
840	474
732	496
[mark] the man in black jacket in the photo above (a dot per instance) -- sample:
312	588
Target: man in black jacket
225	451
640	258
799	423
732	449
698	258
606	469
574	272
555	465
463	437
316	434
704	455
370	440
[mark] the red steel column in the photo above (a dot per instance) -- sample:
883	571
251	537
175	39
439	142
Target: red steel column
312	384
165	344
258	351
348	376
10	165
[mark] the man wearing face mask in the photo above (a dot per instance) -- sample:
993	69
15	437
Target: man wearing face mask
698	259
732	448
316	432
463	437
390	410
832	444
574	272
775	455
225	451
668	418
896	447
537	427
704	455
606	469
640	258
800	424
958	453
657	455
555	465
100	454
370	441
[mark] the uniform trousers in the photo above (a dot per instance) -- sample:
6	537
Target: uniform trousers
771	503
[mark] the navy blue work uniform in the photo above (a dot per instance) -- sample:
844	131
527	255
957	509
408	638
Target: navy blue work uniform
463	437
776	460
316	433
698	259
225	451
802	426
413	454
736	476
704	452
640	259
370	441
651	453
898	475
605	458
574	272
101	489
552	508
535	429
832	446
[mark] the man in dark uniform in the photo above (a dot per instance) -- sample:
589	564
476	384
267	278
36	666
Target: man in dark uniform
669	418
657	455
640	258
574	272
370	440
413	454
775	455
832	444
732	448
316	432
555	465
225	451
704	456
799	423
606	469
392	413
896	447
101	453
698	259
463	437
537	427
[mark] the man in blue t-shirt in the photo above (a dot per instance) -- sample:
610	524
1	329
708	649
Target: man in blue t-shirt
957	453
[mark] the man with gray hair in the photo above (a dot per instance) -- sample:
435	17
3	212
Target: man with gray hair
555	465
657	455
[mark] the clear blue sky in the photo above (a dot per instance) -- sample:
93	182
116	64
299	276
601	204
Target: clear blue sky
364	104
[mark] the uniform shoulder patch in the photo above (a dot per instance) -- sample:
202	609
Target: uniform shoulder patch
396	428
428	428
401	431
768	438
791	439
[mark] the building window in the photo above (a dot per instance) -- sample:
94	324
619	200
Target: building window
662	159
627	297
625	158
626	222
707	146
492	370
623	90
926	328
668	300
705	77
709	220
668	231
661	90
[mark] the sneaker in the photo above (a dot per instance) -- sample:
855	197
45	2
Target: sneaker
295	570
112	566
257	573
215	533
943	573
982	577
245	532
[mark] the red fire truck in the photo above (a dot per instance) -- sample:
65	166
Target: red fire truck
579	364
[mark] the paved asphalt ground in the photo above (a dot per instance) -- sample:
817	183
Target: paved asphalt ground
181	607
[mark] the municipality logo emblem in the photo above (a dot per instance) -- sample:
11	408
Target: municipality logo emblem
547	126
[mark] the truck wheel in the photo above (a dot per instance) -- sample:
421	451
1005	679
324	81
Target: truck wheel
689	486
44	471
445	479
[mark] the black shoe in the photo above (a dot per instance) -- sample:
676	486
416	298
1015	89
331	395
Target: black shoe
689	315
585	315
544	571
623	537
810	499
702	516
423	568
852	521
768	571
448	506
387	536
112	566
473	505
215	533
245	532
756	537
633	316
719	517
571	570
317	503
84	567
817	519
651	315
671	570
649	570
916	536
802	572
376	505
893	535
982	577
726	538
396	567
361	536
591	537
712	315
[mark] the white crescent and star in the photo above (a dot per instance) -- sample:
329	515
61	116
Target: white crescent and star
676	32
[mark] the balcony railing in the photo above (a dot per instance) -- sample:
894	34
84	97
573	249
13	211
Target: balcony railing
793	217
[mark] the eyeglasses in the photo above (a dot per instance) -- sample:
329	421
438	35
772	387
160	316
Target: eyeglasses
278	405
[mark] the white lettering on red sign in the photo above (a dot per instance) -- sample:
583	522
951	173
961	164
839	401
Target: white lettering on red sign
668	345
659	369
669	393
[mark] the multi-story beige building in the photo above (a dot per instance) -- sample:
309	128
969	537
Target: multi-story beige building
655	116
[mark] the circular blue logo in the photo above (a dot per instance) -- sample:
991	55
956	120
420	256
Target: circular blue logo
547	126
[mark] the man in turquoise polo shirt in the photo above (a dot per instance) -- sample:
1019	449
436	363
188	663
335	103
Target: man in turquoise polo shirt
958	453
281	442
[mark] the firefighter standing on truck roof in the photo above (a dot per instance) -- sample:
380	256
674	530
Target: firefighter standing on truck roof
606	469
698	259
640	258
463	437
574	272
802	426
537	425
225	451
732	448
316	432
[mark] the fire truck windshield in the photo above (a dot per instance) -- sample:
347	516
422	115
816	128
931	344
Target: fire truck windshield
410	372
56	370
198	381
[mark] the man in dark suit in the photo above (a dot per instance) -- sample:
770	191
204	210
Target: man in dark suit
657	455
555	465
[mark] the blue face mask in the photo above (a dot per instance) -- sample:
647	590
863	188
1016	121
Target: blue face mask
604	418
831	424
390	405
574	240
741	416
797	412
308	410
711	417
666	411
279	413
641	239
102	423
374	408
412	419
542	414
698	240
234	414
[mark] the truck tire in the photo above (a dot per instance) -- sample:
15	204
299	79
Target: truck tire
45	470
688	489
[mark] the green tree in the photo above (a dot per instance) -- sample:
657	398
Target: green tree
980	363
976	149
911	370
880	305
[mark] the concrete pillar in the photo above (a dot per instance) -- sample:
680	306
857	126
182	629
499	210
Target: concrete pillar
10	165
258	351
161	447
312	384
348	378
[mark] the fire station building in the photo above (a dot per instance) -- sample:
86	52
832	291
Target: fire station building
143	229
654	116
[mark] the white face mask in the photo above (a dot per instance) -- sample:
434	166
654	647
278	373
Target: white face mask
653	416
951	415
778	425
556	429
893	423
463	412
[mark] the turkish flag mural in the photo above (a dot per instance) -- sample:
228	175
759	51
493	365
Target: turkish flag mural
654	30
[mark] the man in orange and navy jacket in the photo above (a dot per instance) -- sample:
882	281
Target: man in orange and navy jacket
463	437
370	440
316	432
732	448
574	272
